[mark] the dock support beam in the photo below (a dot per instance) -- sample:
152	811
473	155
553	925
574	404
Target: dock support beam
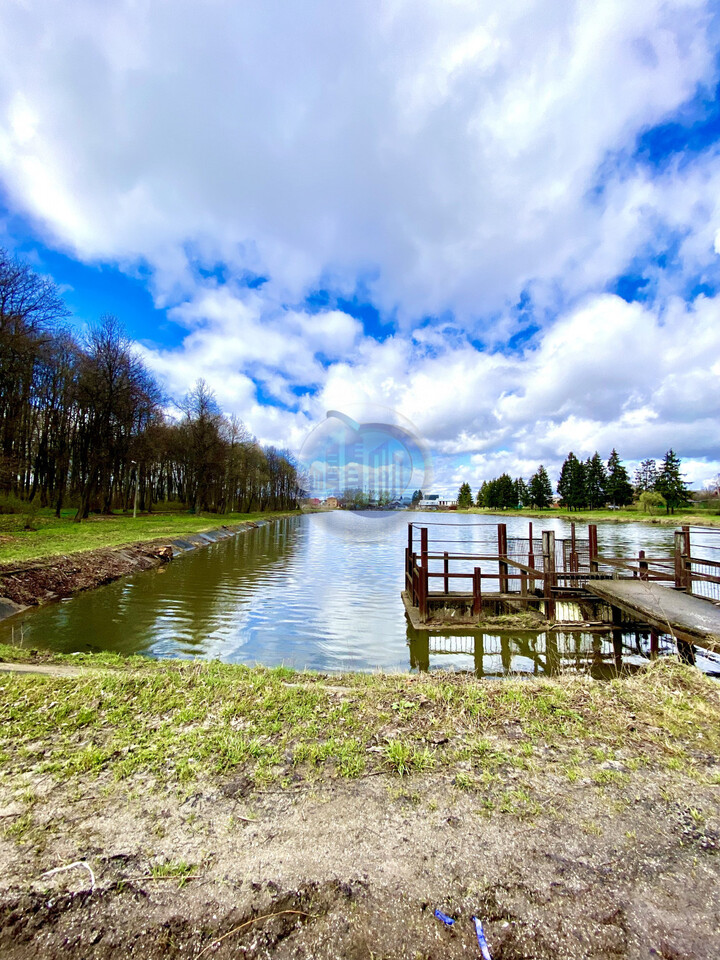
593	546
477	591
502	554
548	544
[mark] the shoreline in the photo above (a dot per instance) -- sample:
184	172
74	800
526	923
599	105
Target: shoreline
51	578
594	516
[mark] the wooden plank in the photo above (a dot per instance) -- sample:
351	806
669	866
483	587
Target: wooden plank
689	618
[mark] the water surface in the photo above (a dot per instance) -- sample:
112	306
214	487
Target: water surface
317	591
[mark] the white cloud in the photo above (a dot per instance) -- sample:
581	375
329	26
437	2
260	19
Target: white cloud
444	155
447	147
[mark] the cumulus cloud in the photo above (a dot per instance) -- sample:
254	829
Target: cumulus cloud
447	149
448	159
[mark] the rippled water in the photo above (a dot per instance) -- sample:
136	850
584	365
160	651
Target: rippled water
319	591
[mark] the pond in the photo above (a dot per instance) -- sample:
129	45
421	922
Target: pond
319	591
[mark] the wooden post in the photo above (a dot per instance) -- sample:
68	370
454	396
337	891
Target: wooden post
678	558
410	541
687	563
477	591
502	553
423	545
642	563
423	593
548	543
654	643
416	599
573	549
446	571
686	652
531	555
592	537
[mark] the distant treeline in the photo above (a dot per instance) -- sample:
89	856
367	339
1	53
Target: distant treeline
587	484
83	422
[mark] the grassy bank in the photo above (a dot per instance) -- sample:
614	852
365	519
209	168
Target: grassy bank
691	516
52	537
175	723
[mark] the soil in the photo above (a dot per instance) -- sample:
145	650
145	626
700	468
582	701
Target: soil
34	582
357	868
41	581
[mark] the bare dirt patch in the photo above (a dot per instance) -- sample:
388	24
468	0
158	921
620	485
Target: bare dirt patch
36	582
254	813
357	869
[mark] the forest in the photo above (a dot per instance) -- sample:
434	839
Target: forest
84	424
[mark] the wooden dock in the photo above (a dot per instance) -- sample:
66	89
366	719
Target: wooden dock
670	611
562	580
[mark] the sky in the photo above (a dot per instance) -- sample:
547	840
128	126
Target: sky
499	218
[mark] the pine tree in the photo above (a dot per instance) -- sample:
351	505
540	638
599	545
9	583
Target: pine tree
618	488
417	497
571	484
670	483
491	494
522	494
505	492
646	476
465	497
481	496
540	489
596	480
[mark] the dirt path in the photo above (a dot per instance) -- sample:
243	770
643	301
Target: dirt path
45	669
357	870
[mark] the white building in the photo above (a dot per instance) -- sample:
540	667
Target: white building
434	501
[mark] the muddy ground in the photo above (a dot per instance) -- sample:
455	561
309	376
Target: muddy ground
33	582
356	869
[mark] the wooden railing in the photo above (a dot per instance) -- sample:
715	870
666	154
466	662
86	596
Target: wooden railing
546	567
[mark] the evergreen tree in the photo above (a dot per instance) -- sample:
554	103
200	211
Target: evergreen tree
596	481
522	494
417	497
618	489
506	496
571	485
491	494
540	491
646	476
465	497
481	496
670	483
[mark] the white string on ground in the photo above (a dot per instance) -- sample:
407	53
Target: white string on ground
73	866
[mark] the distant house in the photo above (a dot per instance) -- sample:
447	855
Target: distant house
434	501
331	503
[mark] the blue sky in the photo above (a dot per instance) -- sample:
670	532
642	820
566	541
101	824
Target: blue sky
501	220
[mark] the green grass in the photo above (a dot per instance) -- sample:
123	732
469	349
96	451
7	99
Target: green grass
57	537
173	723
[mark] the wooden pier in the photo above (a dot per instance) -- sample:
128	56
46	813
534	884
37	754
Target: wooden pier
686	617
566	580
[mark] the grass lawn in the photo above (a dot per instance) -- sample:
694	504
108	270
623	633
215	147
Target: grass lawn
58	537
181	721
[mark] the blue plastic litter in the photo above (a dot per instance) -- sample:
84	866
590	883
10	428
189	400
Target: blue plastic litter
484	949
448	921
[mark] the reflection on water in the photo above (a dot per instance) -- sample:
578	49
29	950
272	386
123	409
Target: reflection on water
528	653
311	591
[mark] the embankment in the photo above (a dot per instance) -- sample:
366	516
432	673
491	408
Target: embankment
41	581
